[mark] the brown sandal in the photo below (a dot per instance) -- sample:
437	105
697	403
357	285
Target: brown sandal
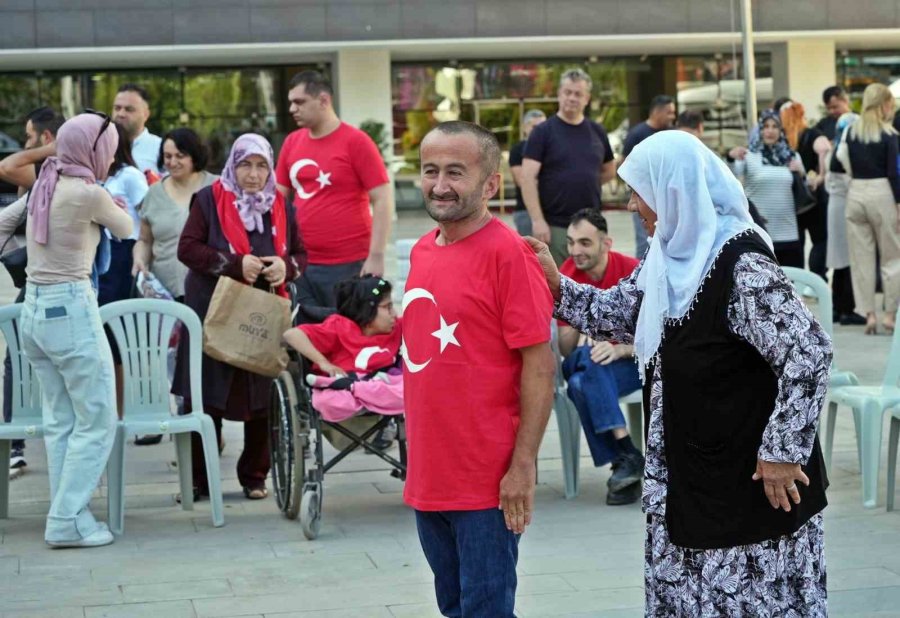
256	493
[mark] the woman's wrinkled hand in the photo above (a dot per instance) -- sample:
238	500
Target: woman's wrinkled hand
274	270
780	482
251	266
551	272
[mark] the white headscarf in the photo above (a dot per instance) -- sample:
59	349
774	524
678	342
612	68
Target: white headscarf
700	206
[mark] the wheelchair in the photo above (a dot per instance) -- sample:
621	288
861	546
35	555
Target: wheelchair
297	433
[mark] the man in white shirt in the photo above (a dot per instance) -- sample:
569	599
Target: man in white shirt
131	110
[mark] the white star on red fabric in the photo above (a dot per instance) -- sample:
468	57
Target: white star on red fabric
324	179
445	334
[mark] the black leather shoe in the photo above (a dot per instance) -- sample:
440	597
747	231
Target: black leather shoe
628	495
852	319
627	470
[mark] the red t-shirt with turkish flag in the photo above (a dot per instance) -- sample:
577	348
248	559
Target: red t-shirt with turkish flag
468	309
618	267
331	178
343	343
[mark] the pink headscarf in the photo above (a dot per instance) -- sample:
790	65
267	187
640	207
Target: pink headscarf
75	156
251	206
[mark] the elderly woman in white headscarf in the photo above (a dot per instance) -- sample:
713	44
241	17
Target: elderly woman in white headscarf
735	371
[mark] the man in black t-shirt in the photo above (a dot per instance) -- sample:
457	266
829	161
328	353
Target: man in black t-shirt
837	103
567	159
530	120
662	116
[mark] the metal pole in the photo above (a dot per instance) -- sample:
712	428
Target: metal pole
749	61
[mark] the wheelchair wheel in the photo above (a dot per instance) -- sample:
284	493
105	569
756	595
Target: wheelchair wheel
288	439
311	510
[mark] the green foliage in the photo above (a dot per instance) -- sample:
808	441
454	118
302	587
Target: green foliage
376	130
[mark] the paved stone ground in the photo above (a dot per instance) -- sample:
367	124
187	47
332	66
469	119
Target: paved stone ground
579	557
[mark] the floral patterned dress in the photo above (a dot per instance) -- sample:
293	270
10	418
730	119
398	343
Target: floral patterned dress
782	577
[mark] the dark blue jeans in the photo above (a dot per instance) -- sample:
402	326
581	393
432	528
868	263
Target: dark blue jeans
595	391
473	557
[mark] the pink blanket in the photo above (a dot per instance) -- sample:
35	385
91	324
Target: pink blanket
382	394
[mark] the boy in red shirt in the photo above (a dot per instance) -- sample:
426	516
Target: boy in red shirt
335	171
598	373
478	377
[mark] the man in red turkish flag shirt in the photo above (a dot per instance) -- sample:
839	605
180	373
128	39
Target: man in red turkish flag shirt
478	377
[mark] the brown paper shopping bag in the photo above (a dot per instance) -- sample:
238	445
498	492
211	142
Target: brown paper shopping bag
243	327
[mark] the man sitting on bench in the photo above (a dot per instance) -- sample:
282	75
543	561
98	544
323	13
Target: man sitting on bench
599	373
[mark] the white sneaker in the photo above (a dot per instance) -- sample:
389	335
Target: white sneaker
100	537
17	465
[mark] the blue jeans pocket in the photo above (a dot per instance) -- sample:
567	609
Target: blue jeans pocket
56	334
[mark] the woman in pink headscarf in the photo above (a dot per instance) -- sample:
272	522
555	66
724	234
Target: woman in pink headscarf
61	331
240	227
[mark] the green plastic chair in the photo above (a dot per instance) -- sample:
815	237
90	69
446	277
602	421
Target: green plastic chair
569	423
806	282
893	439
142	328
27	421
869	403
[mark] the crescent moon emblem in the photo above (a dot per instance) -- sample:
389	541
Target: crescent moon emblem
362	359
408	298
295	169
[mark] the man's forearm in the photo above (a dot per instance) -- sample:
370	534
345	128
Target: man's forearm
538	369
531	198
382	214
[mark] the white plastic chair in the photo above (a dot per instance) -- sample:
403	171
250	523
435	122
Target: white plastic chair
142	328
569	422
893	439
869	403
27	421
813	285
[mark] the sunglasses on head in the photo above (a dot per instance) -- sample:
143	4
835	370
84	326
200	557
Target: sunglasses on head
106	122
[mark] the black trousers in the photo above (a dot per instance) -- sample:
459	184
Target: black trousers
789	253
816	223
842	291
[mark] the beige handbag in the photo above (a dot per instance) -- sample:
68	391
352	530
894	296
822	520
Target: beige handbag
244	325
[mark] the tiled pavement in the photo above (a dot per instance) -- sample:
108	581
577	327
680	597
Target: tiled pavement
579	557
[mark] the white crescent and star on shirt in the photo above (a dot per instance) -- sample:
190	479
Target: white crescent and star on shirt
445	334
324	178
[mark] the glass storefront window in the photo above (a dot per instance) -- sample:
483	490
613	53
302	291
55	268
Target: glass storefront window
218	103
858	69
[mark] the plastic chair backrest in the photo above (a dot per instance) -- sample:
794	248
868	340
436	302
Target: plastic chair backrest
819	286
892	370
142	328
26	391
560	381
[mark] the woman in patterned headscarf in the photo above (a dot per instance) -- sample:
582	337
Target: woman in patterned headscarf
240	227
735	370
766	168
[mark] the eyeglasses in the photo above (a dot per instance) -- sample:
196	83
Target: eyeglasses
106	121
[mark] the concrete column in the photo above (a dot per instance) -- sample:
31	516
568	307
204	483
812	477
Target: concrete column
363	84
801	70
362	81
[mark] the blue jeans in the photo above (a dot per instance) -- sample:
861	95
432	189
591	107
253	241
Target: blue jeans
64	341
595	390
473	557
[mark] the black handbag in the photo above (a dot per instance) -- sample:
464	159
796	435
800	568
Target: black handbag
16	260
804	200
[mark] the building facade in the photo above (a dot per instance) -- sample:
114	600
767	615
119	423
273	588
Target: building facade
221	66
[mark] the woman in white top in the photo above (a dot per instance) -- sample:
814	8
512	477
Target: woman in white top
62	335
766	168
165	208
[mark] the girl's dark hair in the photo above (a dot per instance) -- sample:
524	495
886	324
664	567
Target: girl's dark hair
357	299
186	141
123	156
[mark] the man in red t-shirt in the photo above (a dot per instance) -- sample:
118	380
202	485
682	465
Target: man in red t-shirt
598	373
478	377
335	172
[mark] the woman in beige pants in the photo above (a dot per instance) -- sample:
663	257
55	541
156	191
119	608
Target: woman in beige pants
873	205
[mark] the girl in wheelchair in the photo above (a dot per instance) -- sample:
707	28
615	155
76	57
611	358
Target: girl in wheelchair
354	352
